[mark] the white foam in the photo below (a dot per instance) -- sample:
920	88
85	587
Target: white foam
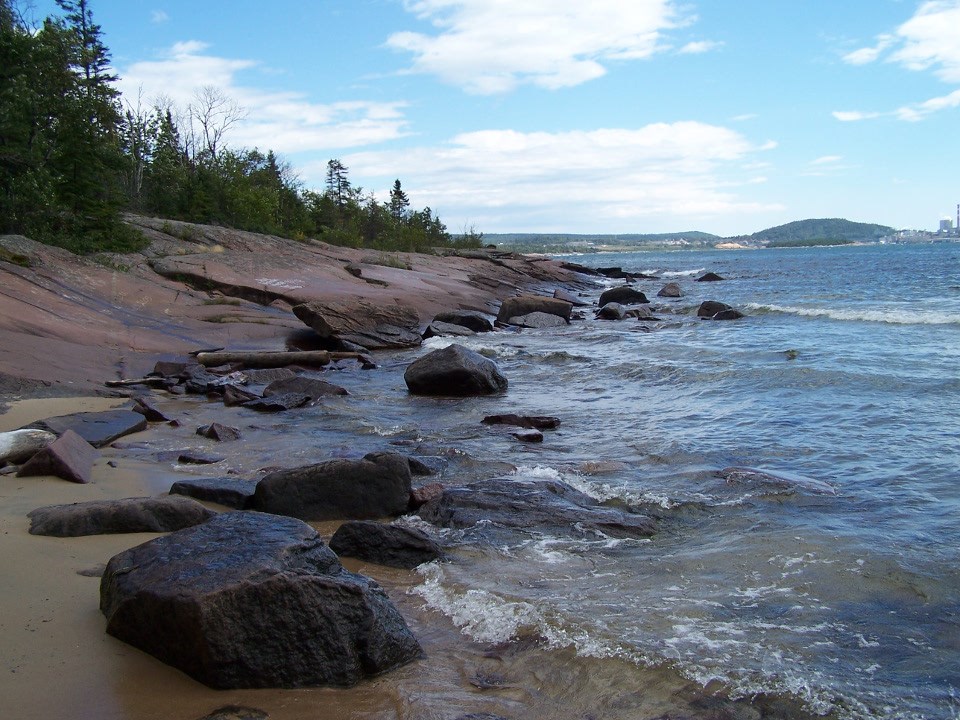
893	316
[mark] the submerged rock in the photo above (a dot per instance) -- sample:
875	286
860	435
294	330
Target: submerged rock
776	481
713	310
129	515
538	504
540	422
454	370
709	277
250	600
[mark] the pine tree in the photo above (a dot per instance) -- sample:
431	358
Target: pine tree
338	185
399	202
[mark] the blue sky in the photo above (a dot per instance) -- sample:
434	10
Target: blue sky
608	116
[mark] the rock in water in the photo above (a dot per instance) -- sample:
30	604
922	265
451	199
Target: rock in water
526	304
391	545
670	290
714	310
454	370
537	320
18	446
471	319
377	486
250	600
709	277
624	295
374	327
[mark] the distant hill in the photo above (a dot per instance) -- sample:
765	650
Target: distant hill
824	231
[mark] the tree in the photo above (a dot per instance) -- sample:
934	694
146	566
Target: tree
212	113
338	185
399	202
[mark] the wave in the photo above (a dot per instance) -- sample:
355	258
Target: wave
891	316
682	273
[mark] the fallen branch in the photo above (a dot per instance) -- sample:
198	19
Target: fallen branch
151	381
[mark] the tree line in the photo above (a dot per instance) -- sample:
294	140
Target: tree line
74	156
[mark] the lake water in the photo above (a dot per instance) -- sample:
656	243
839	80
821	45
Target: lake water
833	591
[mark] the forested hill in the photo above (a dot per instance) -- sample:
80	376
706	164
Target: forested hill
822	231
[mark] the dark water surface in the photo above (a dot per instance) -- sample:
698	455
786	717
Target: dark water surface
834	591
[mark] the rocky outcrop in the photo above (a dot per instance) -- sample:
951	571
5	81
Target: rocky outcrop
69	457
713	310
516	505
252	600
454	371
129	515
374	487
390	545
526	304
624	295
374	327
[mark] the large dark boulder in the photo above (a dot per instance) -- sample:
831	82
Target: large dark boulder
624	295
526	304
709	277
454	370
471	319
376	486
371	326
713	310
129	515
519	505
251	600
391	545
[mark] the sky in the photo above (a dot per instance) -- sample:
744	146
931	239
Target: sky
607	116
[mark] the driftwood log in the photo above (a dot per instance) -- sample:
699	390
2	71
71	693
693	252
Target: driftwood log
271	359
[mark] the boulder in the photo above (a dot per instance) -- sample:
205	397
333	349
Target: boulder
218	432
249	600
713	310
18	446
472	319
233	396
262	376
373	327
641	313
229	491
709	277
529	436
777	482
376	486
97	428
570	298
316	389
612	311
524	505
442	329
278	403
424	494
149	410
670	290
69	457
624	295
390	545
526	304
456	371
108	517
540	422
537	320
196	457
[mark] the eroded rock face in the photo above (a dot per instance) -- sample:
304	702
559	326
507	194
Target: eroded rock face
252	600
455	371
374	327
376	486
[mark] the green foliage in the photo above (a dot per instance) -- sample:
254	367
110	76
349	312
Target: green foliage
809	242
836	229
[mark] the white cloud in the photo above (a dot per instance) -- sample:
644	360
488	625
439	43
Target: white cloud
698	48
492	46
617	179
927	41
285	122
854	115
158	17
827	160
